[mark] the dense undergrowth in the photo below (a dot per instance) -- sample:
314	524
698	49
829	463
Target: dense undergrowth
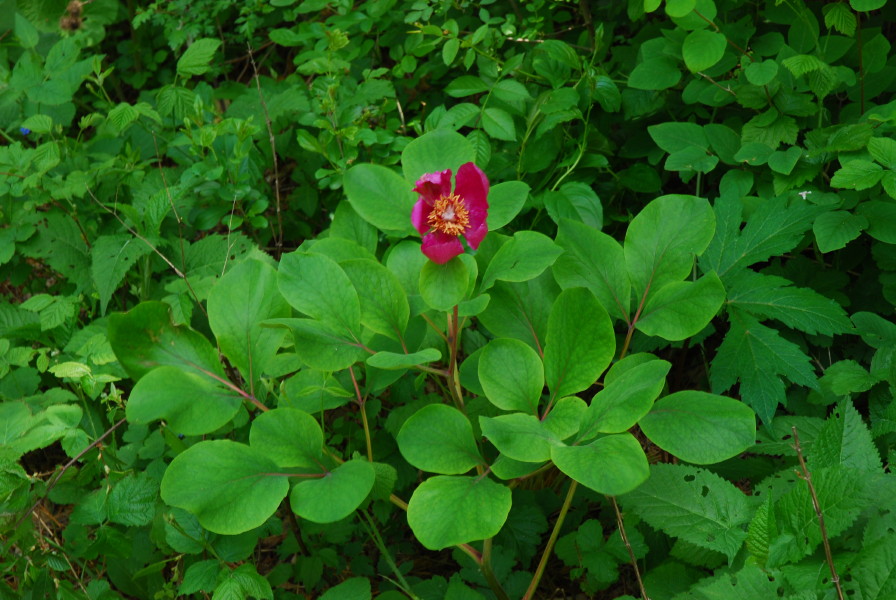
227	370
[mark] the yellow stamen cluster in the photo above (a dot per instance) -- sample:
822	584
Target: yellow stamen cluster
449	215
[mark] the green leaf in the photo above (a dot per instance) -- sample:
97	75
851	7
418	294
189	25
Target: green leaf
612	465
444	286
504	202
834	229
700	428
439	439
382	197
663	238
626	398
838	16
334	496
682	309
112	256
679	8
881	216
845	441
384	303
523	257
355	588
191	403
801	64
761	72
758	357
290	437
866	5
754	153
318	287
673	137
841	498
593	260
322	346
691	158
27	33
449	50
499	124
465	85
771	129
239	302
445	511
773	229
512	375
519	436
694	505
580	342
228	486
521	310
433	152
783	161
775	298
132	501
873	573
576	201
655	73
857	175
883	150
702	49
196	59
396	360
145	338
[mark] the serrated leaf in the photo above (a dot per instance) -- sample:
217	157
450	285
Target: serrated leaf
857	175
759	358
112	256
845	441
498	124
692	504
771	129
838	16
802	64
196	59
776	298
773	229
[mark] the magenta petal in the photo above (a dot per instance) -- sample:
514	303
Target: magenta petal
419	216
475	236
433	185
472	186
440	247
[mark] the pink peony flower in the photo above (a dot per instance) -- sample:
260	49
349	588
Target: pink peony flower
442	217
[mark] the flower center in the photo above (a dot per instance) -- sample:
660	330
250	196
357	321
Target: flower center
449	215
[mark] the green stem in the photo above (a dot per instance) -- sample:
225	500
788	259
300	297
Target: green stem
545	555
486	567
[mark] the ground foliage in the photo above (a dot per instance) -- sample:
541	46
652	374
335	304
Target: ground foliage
227	370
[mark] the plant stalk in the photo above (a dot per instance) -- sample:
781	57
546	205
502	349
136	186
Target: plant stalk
545	555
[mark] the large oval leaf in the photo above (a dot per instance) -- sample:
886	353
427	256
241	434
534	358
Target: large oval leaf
612	465
439	439
335	495
230	487
318	287
239	302
291	437
435	151
580	342
511	374
445	511
144	338
191	403
382	197
699	427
